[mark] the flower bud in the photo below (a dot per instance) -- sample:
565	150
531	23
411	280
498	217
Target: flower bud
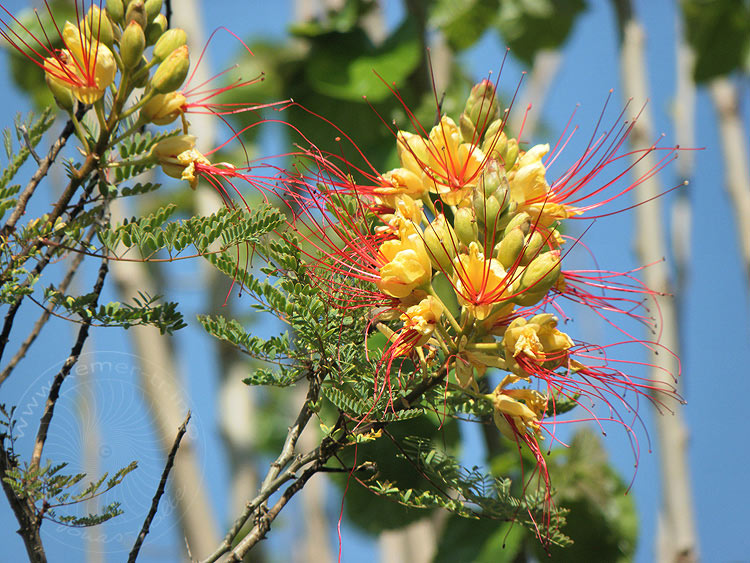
465	224
62	94
136	12
116	10
538	278
442	244
495	140
491	197
172	72
510	247
534	243
171	39
511	154
153	8
98	27
132	45
480	110
522	220
155	29
163	109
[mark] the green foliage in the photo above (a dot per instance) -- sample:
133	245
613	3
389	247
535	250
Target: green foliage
464	22
137	147
719	33
50	490
144	311
528	26
29	132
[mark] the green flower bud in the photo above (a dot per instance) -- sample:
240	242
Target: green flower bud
171	39
116	10
522	220
480	110
63	95
98	27
465	225
495	140
491	197
153	8
172	72
538	278
136	12
510	247
155	29
511	154
442	244
132	45
534	243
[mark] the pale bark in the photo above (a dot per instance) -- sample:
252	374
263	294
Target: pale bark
538	82
678	541
736	152
159	378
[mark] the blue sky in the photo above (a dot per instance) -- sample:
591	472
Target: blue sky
715	328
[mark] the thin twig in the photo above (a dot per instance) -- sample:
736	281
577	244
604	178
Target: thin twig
40	173
159	491
57	382
44	317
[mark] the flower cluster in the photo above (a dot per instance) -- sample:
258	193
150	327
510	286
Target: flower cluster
457	254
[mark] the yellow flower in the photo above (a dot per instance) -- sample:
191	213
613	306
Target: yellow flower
525	407
178	158
451	168
480	282
419	324
530	190
86	67
163	109
537	339
407	265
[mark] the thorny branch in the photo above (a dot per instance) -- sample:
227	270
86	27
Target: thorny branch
133	555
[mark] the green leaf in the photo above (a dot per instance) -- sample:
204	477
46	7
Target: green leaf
463	22
343	65
528	26
719	33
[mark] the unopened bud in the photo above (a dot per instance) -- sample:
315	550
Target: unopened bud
534	243
495	141
511	154
155	29
136	12
522	220
491	197
172	72
538	278
480	110
98	27
163	109
153	7
510	247
132	45
465	224
116	10
171	39
441	243
62	94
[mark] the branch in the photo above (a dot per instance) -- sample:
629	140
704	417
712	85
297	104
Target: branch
735	151
44	317
159	491
679	538
41	172
54	392
24	510
273	481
